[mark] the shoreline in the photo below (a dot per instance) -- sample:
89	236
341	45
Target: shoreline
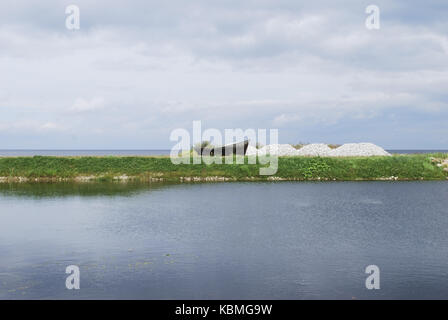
13	180
80	169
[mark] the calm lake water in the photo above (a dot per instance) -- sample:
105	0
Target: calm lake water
224	240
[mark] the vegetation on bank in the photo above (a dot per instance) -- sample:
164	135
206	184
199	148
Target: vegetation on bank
397	167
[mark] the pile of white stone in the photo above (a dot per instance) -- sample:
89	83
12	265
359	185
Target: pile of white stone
278	149
314	149
251	151
358	150
320	149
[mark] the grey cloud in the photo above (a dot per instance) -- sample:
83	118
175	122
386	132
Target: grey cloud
138	69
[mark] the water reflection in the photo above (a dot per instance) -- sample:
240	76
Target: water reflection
87	189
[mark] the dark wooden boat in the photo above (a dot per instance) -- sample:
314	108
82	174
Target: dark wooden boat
238	148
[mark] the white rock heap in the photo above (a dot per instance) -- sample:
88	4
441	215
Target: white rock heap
321	150
358	150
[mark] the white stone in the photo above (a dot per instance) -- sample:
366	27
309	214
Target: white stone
281	150
251	151
314	150
358	150
320	150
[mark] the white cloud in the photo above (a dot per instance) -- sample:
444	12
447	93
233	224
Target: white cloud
31	126
51	126
283	119
131	74
83	105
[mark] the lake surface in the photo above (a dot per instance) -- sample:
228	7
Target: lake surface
285	240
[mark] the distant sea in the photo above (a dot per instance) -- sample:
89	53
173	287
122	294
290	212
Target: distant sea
29	153
15	153
417	151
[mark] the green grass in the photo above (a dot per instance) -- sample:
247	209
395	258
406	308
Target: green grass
404	167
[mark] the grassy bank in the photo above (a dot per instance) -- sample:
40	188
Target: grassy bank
398	167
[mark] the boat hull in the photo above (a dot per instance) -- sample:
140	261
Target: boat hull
239	148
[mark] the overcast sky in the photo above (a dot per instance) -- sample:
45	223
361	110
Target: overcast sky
136	70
